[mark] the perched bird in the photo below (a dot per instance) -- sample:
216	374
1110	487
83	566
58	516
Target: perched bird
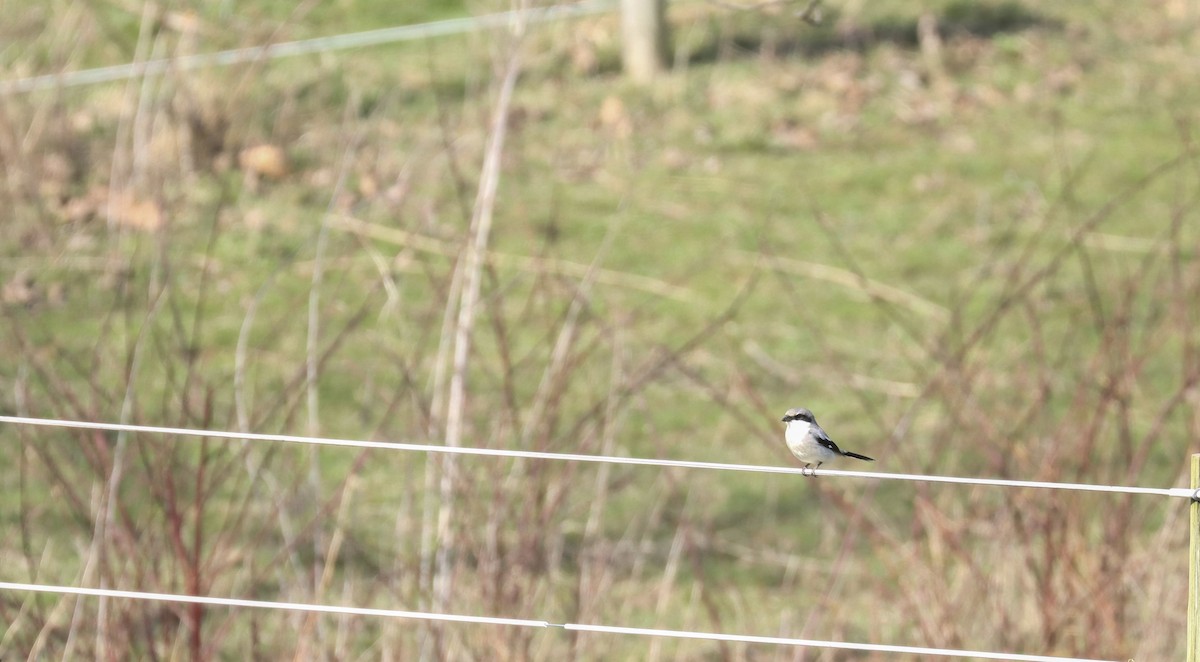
809	443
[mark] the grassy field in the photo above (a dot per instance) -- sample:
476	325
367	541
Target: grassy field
969	248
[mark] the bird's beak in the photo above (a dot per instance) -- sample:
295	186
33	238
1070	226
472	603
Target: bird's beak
784	419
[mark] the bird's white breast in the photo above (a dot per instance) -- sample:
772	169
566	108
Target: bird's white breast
795	434
803	445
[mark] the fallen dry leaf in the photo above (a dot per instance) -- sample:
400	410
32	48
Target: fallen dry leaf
127	210
614	117
264	161
20	290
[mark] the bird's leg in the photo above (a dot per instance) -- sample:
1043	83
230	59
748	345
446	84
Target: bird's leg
807	471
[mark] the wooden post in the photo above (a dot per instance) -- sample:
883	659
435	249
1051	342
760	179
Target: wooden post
643	38
1193	616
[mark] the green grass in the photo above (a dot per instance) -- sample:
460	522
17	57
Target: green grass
1053	114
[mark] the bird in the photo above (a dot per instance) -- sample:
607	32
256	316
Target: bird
809	443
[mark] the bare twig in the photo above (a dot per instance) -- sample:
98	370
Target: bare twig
810	13
481	224
540	265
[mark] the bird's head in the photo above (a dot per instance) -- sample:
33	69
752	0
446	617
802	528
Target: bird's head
798	414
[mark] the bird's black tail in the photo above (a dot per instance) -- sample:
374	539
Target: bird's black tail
860	457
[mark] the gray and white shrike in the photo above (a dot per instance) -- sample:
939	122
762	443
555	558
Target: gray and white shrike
809	443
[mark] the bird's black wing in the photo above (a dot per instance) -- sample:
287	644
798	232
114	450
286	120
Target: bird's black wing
824	440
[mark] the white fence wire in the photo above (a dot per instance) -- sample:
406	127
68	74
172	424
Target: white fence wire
540	455
303	47
1182	492
519	622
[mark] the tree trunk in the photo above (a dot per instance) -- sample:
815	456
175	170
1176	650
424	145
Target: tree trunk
643	38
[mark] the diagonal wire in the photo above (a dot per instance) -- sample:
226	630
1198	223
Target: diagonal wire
1181	492
521	622
267	604
817	643
302	47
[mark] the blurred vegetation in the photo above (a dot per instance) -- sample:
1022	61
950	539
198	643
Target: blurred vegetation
962	233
